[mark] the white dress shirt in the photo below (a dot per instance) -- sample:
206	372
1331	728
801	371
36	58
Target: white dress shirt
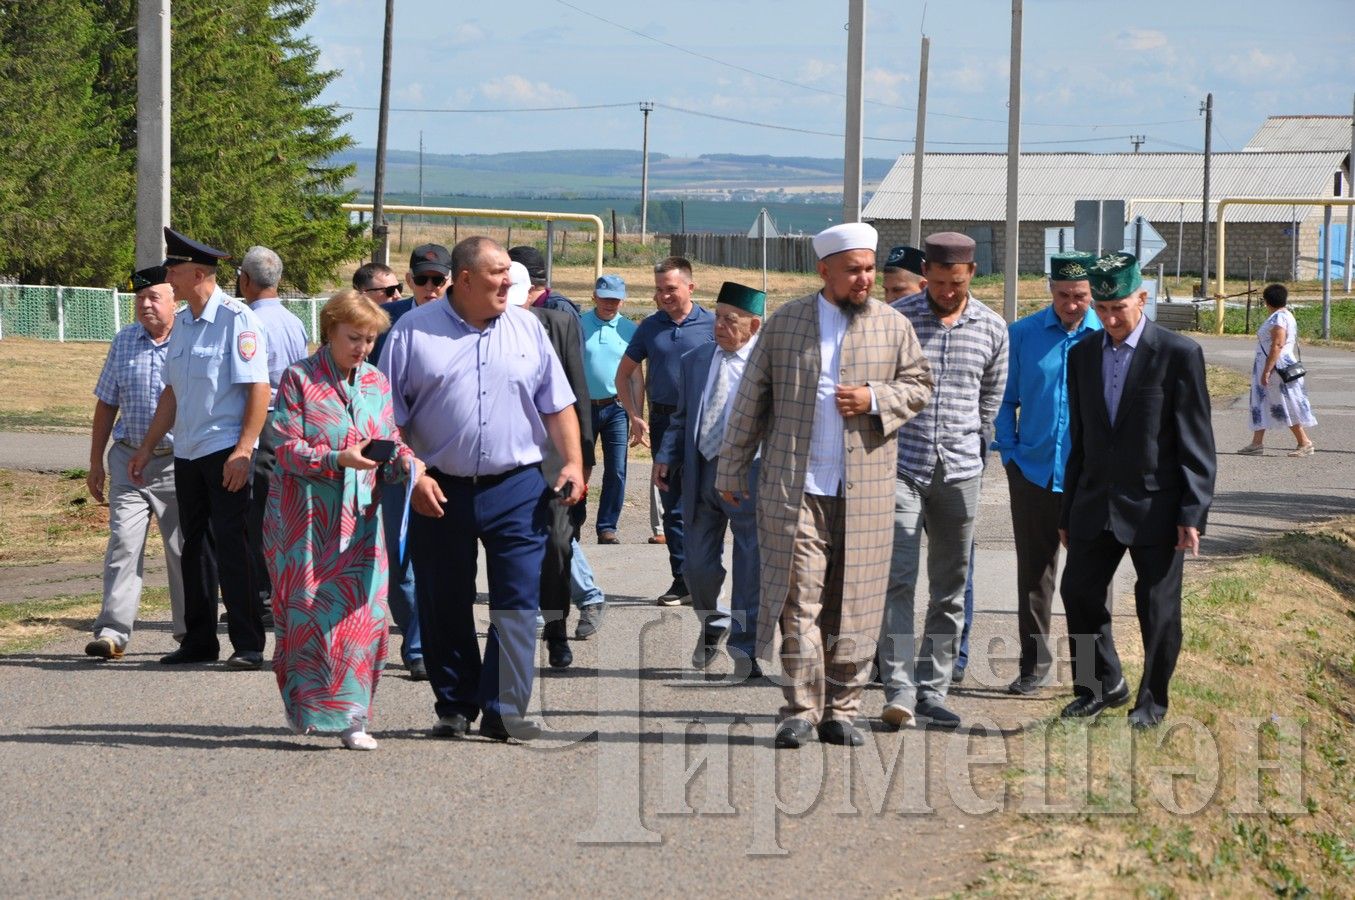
737	363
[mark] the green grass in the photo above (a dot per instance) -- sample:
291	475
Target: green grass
33	624
1307	312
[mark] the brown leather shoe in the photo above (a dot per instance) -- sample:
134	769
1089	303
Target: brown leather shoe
658	539
103	648
608	537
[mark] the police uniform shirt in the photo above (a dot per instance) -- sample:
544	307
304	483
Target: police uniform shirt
210	362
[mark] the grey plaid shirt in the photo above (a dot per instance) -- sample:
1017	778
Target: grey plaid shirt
969	372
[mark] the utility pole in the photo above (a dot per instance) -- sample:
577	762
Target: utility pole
919	146
152	130
646	107
1010	272
421	170
1350	192
856	71
380	233
1137	140
1207	108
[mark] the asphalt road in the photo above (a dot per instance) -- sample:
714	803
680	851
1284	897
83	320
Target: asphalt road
128	777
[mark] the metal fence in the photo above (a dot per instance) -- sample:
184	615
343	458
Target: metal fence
63	313
784	254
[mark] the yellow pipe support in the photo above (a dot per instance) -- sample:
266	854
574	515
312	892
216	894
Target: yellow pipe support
498	214
1226	202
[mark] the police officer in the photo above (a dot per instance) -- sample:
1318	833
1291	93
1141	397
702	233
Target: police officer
216	400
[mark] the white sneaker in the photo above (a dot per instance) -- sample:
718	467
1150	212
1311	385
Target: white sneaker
357	739
896	715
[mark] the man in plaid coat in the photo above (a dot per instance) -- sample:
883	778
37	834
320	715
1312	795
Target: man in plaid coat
832	378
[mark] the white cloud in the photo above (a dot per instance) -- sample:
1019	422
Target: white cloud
465	34
518	91
408	94
816	70
349	59
884	84
1141	39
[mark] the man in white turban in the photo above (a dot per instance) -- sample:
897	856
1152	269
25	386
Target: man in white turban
833	376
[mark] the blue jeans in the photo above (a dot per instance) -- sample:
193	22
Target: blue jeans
400	596
583	589
671	498
612	425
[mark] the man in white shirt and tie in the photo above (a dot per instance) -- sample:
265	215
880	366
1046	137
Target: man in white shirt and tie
709	380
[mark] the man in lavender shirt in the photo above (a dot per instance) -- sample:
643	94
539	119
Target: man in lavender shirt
478	389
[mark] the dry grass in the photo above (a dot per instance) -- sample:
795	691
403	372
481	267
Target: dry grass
1267	668
28	626
1225	383
46	518
48	385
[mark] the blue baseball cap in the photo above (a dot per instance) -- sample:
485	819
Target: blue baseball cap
612	287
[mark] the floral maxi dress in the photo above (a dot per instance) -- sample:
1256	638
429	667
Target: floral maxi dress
1278	405
324	543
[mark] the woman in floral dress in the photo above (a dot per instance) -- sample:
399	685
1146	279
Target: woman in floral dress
1275	404
323	538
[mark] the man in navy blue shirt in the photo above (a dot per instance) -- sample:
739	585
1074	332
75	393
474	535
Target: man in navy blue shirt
678	326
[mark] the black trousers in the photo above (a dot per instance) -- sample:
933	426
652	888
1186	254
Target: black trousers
204	502
264	463
1157	600
564	523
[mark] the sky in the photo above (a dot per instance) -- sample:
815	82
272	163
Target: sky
1094	73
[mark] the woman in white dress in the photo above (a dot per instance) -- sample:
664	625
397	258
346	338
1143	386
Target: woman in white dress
1275	404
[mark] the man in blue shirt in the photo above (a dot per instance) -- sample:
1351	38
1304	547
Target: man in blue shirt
285	338
1032	437
477	390
606	335
678	326
216	400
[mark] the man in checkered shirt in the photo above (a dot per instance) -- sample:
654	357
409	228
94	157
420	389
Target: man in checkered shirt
941	458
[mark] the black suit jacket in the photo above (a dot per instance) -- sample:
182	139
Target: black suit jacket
1152	469
566	337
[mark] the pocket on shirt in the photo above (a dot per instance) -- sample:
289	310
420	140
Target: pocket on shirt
203	361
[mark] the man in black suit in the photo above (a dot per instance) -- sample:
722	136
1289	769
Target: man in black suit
566	337
1140	477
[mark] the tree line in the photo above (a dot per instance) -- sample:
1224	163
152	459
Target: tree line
251	148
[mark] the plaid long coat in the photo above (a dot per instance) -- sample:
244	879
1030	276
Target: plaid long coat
774	410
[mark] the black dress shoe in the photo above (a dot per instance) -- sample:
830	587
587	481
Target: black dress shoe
557	649
1027	684
1142	719
844	734
1083	707
503	728
957	674
793	733
590	620
754	672
418	669
454	726
934	714
705	652
245	660
185	655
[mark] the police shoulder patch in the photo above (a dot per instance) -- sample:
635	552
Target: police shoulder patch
247	344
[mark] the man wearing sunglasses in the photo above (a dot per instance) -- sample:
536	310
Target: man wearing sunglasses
430	267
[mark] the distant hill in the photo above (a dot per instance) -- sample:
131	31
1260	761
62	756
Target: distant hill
601	172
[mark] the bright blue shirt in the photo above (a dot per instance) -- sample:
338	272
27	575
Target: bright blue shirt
132	380
1032	424
470	402
603	345
663	342
210	363
286	339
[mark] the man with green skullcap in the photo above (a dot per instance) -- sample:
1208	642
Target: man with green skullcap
1032	438
709	379
1140	478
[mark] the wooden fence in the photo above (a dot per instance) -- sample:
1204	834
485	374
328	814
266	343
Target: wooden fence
784	254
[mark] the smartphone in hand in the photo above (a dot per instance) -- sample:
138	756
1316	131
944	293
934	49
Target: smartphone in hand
379	450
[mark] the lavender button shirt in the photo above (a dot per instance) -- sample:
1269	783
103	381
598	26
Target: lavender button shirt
470	402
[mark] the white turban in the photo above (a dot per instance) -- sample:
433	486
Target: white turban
847	236
519	282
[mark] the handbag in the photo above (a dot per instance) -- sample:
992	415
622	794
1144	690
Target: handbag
1296	370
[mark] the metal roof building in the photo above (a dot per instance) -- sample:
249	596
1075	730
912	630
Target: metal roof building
1302	133
972	187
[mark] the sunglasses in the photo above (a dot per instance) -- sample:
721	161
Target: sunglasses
390	290
435	279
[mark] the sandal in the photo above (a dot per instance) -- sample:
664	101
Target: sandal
1251	450
1303	450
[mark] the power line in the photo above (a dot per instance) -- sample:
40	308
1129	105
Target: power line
818	90
508	109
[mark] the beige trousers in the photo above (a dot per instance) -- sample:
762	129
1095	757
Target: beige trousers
817	686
